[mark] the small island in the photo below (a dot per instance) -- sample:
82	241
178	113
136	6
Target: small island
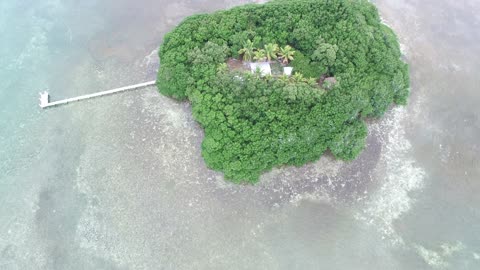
281	83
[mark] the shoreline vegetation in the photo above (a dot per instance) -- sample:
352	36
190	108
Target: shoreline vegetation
347	67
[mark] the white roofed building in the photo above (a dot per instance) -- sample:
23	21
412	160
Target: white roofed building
264	68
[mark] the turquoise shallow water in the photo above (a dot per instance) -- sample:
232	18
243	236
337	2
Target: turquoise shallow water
119	182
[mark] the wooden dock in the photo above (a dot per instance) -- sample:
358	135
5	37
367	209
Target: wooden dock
45	98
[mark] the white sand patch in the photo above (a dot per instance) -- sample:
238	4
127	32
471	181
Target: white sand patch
37	44
94	234
398	176
449	249
403	49
89	230
317	197
166	109
151	58
432	258
385	22
439	259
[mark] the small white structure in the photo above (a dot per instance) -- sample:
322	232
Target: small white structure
287	71
44	99
264	68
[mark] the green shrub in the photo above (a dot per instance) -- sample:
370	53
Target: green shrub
304	65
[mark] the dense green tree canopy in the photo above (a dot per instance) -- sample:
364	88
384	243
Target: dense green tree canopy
255	123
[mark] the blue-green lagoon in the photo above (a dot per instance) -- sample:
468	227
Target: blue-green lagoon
119	182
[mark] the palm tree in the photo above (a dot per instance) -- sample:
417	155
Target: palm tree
298	77
271	51
247	50
311	81
286	54
222	68
284	78
259	55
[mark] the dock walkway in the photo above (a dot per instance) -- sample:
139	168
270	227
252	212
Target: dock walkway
45	98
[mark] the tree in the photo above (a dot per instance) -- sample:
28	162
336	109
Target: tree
247	51
304	65
284	78
271	51
350	142
210	53
260	55
311	81
286	54
222	68
298	77
325	54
